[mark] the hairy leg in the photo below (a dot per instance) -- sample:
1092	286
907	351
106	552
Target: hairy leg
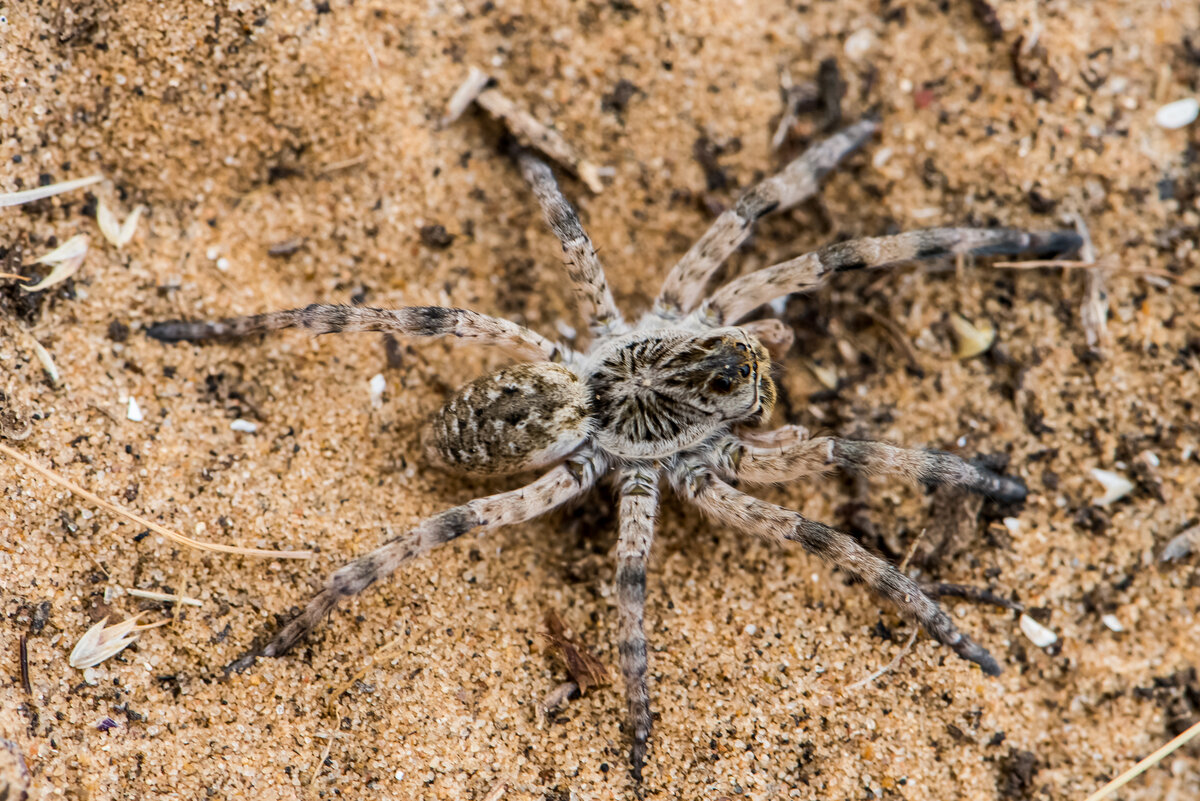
639	506
698	484
583	267
776	337
412	321
561	484
764	462
738	298
796	182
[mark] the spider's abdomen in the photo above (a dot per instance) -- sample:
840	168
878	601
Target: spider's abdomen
521	417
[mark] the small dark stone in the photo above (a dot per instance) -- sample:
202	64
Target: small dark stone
118	331
436	237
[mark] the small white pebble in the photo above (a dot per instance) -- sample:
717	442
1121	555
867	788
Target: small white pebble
376	387
223	264
91	676
244	426
212	253
881	157
859	43
1012	524
1038	634
1116	486
134	412
1178	114
750	630
1112	623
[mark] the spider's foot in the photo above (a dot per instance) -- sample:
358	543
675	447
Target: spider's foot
974	652
182	331
1006	489
302	624
637	760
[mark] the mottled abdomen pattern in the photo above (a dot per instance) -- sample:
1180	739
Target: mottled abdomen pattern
521	417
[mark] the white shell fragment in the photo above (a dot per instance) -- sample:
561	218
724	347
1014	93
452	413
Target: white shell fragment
376	387
66	259
134	412
1111	622
244	426
99	643
1181	544
1038	634
1116	486
972	339
1178	114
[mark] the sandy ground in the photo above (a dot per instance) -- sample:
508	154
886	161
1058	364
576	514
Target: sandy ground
245	125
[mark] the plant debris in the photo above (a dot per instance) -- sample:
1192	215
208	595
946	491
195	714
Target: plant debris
973	340
523	125
585	669
141	521
116	232
41	192
65	260
102	641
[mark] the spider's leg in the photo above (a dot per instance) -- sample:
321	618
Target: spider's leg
738	298
762	461
583	267
795	183
639	505
567	481
411	321
700	485
776	336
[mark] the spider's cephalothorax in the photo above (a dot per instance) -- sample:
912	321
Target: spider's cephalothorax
674	397
657	392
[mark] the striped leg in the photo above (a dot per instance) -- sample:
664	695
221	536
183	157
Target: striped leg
583	267
796	182
737	299
412	321
639	506
567	481
722	502
763	462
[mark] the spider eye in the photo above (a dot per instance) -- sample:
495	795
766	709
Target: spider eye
744	371
721	384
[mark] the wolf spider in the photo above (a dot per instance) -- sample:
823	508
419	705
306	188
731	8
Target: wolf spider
676	394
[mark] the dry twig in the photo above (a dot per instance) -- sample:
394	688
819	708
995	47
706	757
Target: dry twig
92	497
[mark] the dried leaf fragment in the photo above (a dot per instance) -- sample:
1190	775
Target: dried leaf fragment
66	259
102	641
972	339
582	664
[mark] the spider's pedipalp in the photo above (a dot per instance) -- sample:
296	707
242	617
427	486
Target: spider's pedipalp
698	484
796	182
771	463
567	481
583	267
410	321
639	506
738	298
